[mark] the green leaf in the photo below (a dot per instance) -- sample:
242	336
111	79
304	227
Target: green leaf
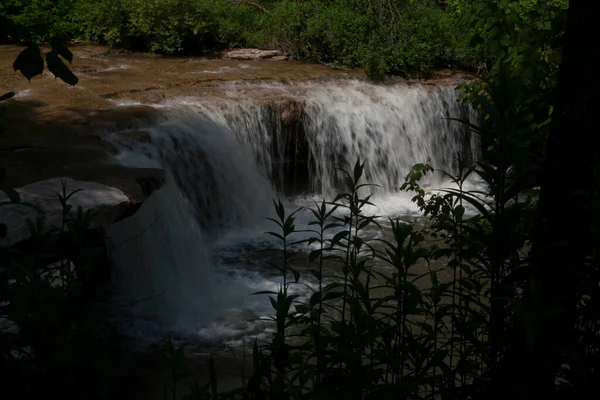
459	211
316	274
314	255
61	49
213	375
315	298
59	69
331	296
274	234
29	62
11	193
338	236
7	96
296	274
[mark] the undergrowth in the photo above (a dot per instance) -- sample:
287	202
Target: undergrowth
55	341
435	313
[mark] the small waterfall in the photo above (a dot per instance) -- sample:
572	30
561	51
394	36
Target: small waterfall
215	172
390	128
163	254
163	261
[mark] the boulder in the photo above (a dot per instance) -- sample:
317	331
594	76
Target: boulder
253	54
108	203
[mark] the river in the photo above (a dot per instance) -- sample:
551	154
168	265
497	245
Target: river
231	136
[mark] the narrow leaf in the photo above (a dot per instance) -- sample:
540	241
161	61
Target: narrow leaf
61	49
11	193
59	69
7	96
213	375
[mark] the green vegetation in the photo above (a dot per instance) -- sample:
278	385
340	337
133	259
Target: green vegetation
382	36
519	315
54	339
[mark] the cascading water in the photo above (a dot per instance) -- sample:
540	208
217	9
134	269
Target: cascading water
391	128
227	158
164	252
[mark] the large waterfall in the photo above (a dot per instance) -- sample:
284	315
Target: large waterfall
227	157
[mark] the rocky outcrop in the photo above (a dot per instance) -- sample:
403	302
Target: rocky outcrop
108	204
254	54
291	153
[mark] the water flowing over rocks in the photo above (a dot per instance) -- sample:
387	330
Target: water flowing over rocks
186	155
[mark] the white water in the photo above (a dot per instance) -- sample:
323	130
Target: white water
391	128
197	233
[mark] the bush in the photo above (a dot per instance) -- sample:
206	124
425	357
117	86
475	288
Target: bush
382	37
403	40
52	300
167	26
35	19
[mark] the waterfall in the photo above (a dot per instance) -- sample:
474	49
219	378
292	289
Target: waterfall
226	158
163	254
214	171
390	127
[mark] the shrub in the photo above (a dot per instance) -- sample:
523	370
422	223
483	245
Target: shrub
36	19
167	26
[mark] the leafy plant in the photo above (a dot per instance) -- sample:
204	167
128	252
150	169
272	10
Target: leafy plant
30	62
51	296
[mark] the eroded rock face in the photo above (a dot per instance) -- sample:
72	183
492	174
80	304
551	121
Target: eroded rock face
109	204
254	54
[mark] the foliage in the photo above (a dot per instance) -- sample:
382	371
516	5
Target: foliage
520	40
409	332
52	341
30	62
460	329
170	26
382	36
35	20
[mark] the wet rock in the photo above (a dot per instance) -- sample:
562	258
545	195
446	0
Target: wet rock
123	118
108	203
254	54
